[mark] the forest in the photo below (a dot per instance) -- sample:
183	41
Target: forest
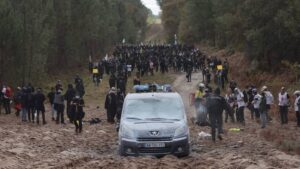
42	37
268	31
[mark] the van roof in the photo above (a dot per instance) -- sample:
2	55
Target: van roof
150	95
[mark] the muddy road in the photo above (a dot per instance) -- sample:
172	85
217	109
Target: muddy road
57	146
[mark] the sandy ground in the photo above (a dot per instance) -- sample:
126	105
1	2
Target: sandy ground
24	145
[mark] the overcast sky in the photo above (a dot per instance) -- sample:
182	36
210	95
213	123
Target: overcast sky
152	4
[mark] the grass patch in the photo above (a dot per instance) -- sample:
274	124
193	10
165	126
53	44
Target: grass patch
95	96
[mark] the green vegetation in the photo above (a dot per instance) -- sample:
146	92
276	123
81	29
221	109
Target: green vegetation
266	30
42	37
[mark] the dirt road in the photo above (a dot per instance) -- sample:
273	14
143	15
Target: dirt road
56	146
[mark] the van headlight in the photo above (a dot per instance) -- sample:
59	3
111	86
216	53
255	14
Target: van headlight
126	132
181	132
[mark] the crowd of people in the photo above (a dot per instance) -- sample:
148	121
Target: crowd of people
147	60
29	103
210	105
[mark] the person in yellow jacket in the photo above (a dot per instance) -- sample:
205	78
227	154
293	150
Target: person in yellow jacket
200	92
201	113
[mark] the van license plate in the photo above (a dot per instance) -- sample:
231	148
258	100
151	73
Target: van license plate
151	145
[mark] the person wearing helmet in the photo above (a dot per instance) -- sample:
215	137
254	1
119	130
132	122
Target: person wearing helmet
297	106
201	113
200	92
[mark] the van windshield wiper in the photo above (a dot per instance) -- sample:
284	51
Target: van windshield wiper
133	118
161	119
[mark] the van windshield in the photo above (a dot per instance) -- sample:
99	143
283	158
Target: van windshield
154	109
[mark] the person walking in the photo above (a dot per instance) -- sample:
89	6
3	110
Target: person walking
284	101
215	105
77	113
111	105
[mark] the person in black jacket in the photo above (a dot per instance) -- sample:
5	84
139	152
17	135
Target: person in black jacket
215	105
69	95
24	104
120	101
59	106
30	109
17	100
77	113
111	105
51	95
39	99
112	81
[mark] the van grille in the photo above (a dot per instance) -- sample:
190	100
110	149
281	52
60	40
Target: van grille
154	139
163	150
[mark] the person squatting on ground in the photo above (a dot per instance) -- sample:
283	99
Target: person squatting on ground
39	99
297	106
284	101
77	113
111	105
215	105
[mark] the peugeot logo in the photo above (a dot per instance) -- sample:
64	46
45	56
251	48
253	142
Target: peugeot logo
154	133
